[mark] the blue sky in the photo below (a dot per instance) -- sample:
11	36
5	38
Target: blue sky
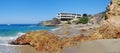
33	11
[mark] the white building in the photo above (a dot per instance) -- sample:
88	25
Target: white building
64	17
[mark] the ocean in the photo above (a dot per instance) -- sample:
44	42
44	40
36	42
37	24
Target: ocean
10	32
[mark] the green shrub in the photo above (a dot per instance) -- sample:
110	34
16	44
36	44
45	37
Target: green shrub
68	22
83	20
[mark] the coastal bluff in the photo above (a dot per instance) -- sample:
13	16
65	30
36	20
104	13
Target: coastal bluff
52	22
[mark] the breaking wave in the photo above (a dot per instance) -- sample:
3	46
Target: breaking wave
10	38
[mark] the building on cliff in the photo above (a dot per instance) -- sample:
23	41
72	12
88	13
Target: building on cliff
62	18
65	17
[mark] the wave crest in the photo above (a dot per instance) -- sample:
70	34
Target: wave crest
11	38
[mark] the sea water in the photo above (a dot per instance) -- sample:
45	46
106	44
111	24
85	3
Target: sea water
9	32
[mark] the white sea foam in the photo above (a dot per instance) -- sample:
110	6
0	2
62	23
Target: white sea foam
10	39
55	29
31	26
8	48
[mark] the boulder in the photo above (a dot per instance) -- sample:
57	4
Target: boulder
40	40
21	40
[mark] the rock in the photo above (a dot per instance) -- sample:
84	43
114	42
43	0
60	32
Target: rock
111	27
44	41
41	40
55	21
110	30
21	40
97	18
113	15
52	22
113	9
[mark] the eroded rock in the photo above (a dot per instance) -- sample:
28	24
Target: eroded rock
113	9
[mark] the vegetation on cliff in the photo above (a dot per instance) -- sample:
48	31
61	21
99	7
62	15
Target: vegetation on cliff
83	20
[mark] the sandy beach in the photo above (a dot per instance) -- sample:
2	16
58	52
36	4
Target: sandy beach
96	46
7	48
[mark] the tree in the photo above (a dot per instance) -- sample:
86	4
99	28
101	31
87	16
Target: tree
84	19
85	15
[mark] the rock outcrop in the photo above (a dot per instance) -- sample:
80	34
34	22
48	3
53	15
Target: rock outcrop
113	9
113	15
110	28
41	40
113	12
21	40
54	21
97	18
46	41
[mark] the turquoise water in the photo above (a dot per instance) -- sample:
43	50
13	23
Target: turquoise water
12	31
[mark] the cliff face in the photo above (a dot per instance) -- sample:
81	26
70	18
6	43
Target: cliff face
54	21
113	12
113	9
110	28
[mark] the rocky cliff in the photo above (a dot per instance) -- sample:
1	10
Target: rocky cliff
54	21
113	9
110	28
97	18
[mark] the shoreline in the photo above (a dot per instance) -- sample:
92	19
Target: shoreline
8	48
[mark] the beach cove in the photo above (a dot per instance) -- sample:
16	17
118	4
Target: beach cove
70	36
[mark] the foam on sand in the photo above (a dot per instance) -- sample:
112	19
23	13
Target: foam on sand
7	48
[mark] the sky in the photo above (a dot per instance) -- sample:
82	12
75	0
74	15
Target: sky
34	11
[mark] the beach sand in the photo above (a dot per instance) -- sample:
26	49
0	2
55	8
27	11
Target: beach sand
96	46
7	48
